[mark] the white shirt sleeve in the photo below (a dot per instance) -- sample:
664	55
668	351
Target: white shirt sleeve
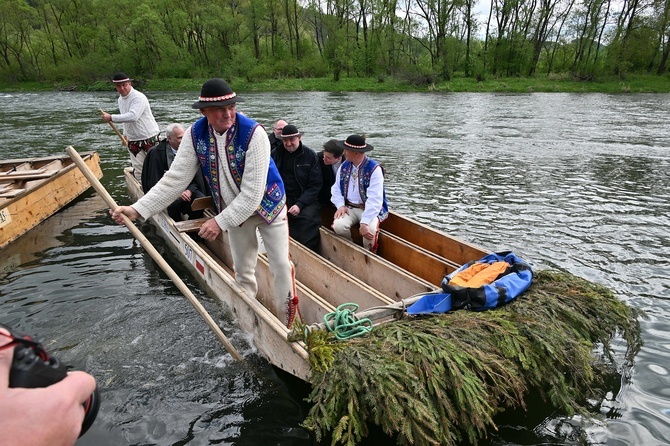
375	196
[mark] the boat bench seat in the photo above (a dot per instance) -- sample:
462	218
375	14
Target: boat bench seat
24	175
11	193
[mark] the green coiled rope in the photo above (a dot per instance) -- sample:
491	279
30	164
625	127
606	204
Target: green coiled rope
344	323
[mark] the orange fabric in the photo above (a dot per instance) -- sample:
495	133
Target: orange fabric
479	274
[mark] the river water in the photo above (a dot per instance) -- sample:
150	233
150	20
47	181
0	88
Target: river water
579	182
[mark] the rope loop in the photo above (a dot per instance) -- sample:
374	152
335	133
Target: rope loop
344	323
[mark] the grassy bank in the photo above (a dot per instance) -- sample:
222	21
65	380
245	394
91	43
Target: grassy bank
553	83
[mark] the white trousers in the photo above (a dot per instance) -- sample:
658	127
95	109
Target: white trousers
137	162
244	249
342	226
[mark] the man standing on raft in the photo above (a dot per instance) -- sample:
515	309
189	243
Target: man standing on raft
233	152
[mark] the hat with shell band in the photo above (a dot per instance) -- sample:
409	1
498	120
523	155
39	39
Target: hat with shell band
355	143
290	131
216	93
120	78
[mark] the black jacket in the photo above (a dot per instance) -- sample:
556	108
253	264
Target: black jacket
275	142
328	179
307	173
156	164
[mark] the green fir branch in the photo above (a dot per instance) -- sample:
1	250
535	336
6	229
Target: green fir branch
441	379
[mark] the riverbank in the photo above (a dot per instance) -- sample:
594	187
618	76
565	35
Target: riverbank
552	83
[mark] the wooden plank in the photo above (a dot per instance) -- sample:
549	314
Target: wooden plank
445	246
332	283
12	193
370	268
202	203
20	176
14	166
23	169
414	259
328	280
38	161
190	225
431	240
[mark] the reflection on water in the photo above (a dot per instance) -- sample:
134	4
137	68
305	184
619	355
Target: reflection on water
577	182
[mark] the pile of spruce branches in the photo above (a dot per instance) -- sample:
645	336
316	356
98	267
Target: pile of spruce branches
440	379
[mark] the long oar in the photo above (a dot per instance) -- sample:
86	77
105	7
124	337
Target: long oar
146	244
123	138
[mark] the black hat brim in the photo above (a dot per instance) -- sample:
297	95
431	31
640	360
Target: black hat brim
208	104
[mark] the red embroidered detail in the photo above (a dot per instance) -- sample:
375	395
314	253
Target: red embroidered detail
375	243
292	303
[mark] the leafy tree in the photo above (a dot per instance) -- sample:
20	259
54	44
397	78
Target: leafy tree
17	19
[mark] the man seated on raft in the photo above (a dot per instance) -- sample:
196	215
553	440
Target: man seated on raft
358	193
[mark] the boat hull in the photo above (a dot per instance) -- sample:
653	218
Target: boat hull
32	190
342	272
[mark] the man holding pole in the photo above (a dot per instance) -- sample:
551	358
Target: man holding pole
139	126
233	152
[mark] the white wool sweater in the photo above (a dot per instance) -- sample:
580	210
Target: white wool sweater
238	203
135	115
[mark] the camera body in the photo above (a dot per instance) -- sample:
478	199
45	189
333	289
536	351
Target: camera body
33	367
29	371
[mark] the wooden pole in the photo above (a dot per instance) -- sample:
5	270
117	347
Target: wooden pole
146	244
124	141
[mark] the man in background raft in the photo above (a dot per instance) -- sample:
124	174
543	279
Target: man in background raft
233	152
275	134
139	126
358	193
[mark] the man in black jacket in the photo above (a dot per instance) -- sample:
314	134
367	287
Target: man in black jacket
299	168
158	161
330	159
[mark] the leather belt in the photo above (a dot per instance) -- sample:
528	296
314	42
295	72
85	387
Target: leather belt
349	204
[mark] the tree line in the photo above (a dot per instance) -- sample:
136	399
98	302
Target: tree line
421	41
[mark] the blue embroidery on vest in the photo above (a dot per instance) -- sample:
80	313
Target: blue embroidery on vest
237	142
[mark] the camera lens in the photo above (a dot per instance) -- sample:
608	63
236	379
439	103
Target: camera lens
91	407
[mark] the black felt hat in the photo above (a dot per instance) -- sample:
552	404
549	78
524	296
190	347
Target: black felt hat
216	93
120	78
355	143
290	131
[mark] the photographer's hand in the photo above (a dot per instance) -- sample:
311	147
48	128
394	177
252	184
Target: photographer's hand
51	415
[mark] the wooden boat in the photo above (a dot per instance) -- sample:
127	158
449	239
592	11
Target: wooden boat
33	189
411	260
